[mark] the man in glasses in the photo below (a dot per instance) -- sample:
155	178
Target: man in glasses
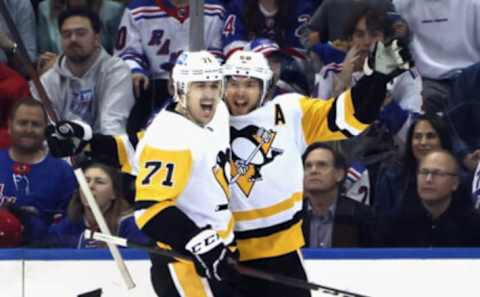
86	83
440	218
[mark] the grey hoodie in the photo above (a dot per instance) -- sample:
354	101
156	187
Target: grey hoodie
102	97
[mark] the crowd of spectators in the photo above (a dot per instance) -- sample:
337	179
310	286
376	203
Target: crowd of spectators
412	179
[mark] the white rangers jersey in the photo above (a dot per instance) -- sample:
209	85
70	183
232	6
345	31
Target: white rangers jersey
153	33
183	165
267	171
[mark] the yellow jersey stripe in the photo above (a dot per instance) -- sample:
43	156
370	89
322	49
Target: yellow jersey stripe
152	211
274	245
122	154
187	280
226	233
268	211
345	114
313	128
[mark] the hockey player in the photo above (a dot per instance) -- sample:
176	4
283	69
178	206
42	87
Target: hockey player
267	140
182	182
182	179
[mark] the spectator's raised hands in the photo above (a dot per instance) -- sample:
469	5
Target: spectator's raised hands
349	65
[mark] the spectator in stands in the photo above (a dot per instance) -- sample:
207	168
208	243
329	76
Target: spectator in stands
23	17
151	36
397	178
87	83
287	75
105	184
331	218
33	184
366	26
281	21
48	34
463	114
438	219
328	21
438	63
12	88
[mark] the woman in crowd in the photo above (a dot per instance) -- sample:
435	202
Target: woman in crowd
396	180
105	184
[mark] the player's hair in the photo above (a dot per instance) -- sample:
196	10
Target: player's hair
85	12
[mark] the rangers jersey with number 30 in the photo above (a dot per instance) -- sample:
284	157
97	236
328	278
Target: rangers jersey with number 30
153	33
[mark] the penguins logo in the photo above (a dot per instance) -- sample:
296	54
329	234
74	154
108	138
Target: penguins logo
251	150
220	171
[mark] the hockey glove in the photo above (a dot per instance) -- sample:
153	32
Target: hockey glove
210	256
67	138
390	59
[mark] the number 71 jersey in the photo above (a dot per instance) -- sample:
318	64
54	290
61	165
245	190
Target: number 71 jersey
182	164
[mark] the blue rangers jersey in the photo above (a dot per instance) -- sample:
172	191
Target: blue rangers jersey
236	34
153	33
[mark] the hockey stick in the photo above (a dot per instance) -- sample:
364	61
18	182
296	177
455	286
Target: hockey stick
196	30
22	55
244	270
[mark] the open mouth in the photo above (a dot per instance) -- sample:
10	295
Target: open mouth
240	103
207	107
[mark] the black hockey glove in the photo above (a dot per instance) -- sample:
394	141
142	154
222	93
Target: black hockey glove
211	256
67	138
391	59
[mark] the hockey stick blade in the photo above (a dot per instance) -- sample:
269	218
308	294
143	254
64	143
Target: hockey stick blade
244	270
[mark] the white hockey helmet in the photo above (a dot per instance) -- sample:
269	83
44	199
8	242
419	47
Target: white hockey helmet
250	64
193	67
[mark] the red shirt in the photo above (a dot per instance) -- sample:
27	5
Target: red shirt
12	88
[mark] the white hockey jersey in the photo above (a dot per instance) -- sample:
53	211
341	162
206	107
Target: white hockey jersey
184	165
153	33
267	171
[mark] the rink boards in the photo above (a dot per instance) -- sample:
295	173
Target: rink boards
372	272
